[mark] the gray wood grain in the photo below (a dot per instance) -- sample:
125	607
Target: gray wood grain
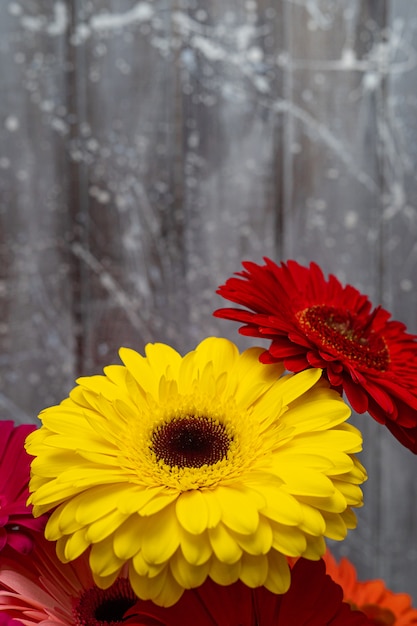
37	330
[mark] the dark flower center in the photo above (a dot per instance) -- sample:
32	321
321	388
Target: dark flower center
379	615
190	442
101	607
342	335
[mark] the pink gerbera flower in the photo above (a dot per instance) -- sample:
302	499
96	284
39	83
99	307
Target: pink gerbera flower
17	524
39	589
312	321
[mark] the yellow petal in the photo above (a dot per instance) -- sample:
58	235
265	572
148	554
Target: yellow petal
315	548
103	560
221	352
288	540
137	499
352	493
55	528
349	518
161	536
240	508
123	544
258	543
333	504
293	386
226	549
162	589
254	570
93	503
143	568
224	573
75	545
279	577
320	411
140	370
213	507
335	526
102	528
159	501
302	482
192	511
280	506
255	378
170	592
313	521
195	548
188	576
104	582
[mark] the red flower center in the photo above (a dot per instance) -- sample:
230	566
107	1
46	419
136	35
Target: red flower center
190	442
337	332
379	615
101	607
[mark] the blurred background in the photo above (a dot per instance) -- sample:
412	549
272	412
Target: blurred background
147	148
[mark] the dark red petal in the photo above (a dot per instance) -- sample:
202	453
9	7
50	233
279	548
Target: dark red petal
406	436
313	597
296	363
3	538
20	542
282	348
356	396
315	360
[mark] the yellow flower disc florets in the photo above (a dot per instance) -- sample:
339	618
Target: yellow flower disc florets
207	465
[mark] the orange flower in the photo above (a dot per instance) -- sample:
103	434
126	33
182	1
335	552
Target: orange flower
382	606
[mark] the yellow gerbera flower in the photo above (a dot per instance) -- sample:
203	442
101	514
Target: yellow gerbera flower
208	465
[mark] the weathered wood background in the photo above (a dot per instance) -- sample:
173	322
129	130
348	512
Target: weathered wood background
146	148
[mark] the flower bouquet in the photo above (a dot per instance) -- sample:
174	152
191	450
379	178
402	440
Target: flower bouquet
201	488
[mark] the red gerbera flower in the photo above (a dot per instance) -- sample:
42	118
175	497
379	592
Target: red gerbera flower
314	322
382	606
17	524
313	599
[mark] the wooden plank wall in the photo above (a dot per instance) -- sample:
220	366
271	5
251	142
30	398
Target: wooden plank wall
146	148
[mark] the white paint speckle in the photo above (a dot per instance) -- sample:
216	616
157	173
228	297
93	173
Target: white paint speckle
194	140
371	81
11	123
60	125
351	219
14	9
348	58
210	49
255	54
82	33
141	12
57	26
47	106
101	195
406	284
